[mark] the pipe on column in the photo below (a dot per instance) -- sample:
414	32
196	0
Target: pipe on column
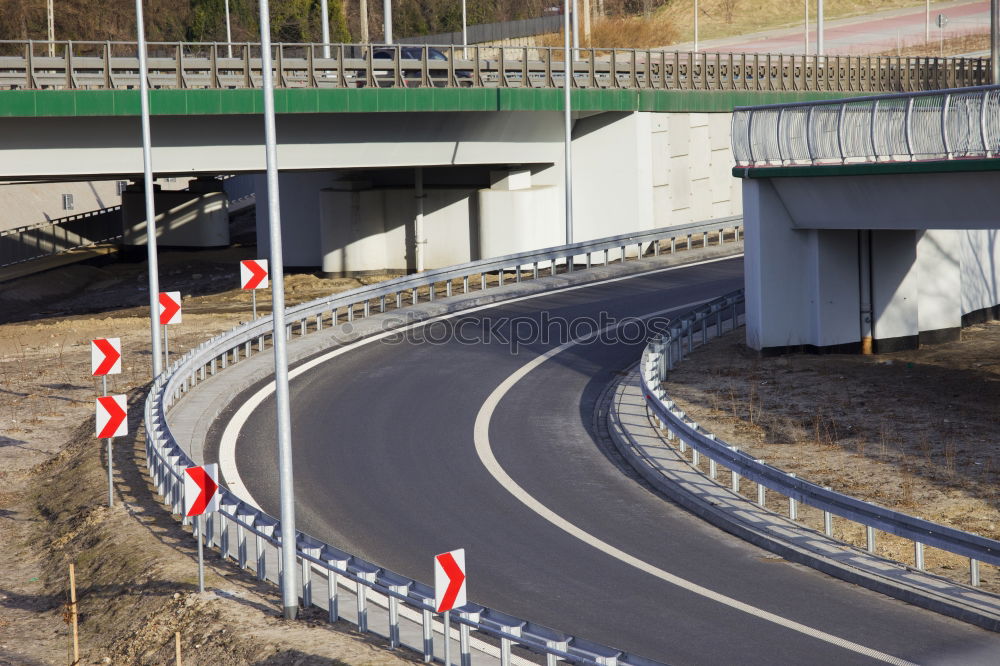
865	286
418	220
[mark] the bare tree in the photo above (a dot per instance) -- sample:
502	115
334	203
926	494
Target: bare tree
728	8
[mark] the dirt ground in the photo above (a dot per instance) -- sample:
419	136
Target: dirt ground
136	566
913	430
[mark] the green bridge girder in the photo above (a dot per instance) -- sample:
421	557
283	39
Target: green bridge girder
73	103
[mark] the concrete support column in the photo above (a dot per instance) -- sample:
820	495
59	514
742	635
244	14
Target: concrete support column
367	230
517	215
195	218
939	268
300	214
801	284
895	290
775	258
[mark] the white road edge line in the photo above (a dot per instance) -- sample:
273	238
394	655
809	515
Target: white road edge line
489	461
230	436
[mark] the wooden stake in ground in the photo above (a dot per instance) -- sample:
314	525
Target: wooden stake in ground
73	614
177	647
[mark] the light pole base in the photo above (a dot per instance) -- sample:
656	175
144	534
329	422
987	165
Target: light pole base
291	612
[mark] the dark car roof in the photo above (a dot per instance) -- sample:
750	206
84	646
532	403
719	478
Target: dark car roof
409	53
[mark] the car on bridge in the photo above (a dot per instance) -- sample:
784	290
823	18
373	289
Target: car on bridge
412	74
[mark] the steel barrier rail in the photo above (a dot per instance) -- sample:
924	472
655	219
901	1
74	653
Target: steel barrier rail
48	238
166	459
694	329
114	65
932	125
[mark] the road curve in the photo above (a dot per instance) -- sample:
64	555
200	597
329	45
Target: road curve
386	467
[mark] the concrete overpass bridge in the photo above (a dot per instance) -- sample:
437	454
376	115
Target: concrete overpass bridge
475	139
870	222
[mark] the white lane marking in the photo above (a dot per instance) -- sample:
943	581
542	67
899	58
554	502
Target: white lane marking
230	436
482	440
227	444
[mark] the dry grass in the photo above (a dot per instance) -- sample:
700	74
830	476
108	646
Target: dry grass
726	18
970	43
637	32
862	426
674	22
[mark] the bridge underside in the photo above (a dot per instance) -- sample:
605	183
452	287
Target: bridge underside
902	258
348	180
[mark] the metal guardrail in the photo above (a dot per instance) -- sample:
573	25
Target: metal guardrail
708	321
68	233
166	459
939	125
114	65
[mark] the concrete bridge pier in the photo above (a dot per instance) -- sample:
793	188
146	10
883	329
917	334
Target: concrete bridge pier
195	217
365	228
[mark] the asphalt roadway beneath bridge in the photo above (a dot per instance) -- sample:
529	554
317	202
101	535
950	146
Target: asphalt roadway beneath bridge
388	466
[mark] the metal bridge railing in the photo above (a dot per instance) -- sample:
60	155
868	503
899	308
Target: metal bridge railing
252	538
938	125
711	320
114	65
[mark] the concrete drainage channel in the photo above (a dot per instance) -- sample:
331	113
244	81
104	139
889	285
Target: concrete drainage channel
348	588
665	447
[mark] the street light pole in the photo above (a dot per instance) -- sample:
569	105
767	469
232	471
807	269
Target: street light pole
567	128
927	22
325	11
576	29
805	29
695	26
229	34
152	265
387	21
289	587
465	32
819	27
51	18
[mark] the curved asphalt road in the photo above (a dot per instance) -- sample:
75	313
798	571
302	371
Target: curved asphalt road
385	467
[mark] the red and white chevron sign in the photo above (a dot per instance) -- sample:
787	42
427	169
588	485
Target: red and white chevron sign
449	580
105	356
170	307
253	274
112	416
201	490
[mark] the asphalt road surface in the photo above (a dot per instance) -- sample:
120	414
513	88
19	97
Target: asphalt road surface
386	467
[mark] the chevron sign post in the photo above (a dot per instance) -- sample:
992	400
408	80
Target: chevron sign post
201	496
111	416
253	276
170	313
105	357
449	590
